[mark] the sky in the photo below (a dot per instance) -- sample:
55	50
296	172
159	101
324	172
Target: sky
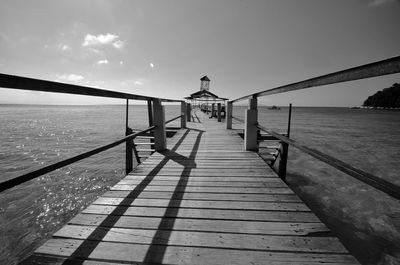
162	48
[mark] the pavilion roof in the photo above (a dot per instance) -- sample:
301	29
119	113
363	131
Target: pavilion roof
204	94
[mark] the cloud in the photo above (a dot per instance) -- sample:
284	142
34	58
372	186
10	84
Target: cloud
63	47
99	40
69	78
105	61
118	44
138	83
380	2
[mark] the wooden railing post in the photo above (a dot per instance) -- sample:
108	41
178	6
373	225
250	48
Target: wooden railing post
128	152
285	150
128	143
183	113
229	114
160	139
150	112
251	122
219	112
188	111
151	119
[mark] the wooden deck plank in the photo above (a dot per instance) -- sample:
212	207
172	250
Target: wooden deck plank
211	214
205	182
185	255
176	171
216	173
272	179
219	226
268	206
205	239
206	196
203	201
240	190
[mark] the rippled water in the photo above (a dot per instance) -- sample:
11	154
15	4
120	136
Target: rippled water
34	136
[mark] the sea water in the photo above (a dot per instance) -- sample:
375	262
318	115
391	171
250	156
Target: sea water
33	136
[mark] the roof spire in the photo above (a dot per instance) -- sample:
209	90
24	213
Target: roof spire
204	78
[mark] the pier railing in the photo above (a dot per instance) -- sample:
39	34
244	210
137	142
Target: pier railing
252	128
156	117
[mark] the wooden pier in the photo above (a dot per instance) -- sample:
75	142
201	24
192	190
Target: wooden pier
205	200
205	196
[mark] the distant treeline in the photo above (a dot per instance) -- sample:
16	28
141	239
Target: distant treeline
387	98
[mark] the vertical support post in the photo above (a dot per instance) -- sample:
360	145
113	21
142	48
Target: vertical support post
128	152
219	112
285	150
150	112
212	109
128	143
188	111
229	114
160	138
251	122
183	113
151	119
126	114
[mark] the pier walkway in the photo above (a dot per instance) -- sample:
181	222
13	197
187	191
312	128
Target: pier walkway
203	201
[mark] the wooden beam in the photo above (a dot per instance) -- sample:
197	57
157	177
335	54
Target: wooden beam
389	188
160	140
44	170
188	111
25	83
285	150
380	68
250	132
128	152
184	115
229	113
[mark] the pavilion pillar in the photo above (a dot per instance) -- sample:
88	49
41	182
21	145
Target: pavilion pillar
219	107
188	111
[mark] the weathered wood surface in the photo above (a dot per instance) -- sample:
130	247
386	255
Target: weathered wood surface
204	201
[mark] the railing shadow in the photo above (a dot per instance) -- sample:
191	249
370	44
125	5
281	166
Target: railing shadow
94	239
195	118
156	251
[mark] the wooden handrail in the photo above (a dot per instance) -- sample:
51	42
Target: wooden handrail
235	118
25	83
374	181
384	67
171	120
37	173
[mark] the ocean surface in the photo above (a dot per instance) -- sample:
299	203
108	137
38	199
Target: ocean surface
32	136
